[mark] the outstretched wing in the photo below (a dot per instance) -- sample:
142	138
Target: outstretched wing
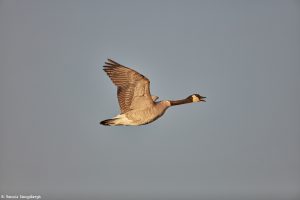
133	88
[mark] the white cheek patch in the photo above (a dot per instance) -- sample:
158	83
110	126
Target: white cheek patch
195	98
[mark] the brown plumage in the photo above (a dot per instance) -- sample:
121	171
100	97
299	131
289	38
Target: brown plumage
130	84
137	105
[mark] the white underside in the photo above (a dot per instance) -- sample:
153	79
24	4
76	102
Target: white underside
123	120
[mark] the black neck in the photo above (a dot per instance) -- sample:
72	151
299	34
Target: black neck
180	102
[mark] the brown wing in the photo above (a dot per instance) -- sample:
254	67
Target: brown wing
133	88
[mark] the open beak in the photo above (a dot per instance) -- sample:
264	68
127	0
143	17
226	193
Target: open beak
203	99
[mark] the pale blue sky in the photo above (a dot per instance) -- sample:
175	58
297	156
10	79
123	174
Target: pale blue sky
244	142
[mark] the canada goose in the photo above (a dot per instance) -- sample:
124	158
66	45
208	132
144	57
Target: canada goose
137	105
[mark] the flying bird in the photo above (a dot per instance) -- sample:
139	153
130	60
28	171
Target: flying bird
137	105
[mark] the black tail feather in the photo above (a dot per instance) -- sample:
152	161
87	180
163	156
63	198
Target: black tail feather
107	122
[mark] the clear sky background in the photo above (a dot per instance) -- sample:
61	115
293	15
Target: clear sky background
244	142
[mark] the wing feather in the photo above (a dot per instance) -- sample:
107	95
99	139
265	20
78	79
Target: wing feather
133	88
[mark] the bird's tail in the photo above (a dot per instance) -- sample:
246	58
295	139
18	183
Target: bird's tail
108	122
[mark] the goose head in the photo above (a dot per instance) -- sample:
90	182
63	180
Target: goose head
197	98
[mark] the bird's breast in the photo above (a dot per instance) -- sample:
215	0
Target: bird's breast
146	115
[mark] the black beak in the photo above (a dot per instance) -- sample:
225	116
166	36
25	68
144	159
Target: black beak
203	99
